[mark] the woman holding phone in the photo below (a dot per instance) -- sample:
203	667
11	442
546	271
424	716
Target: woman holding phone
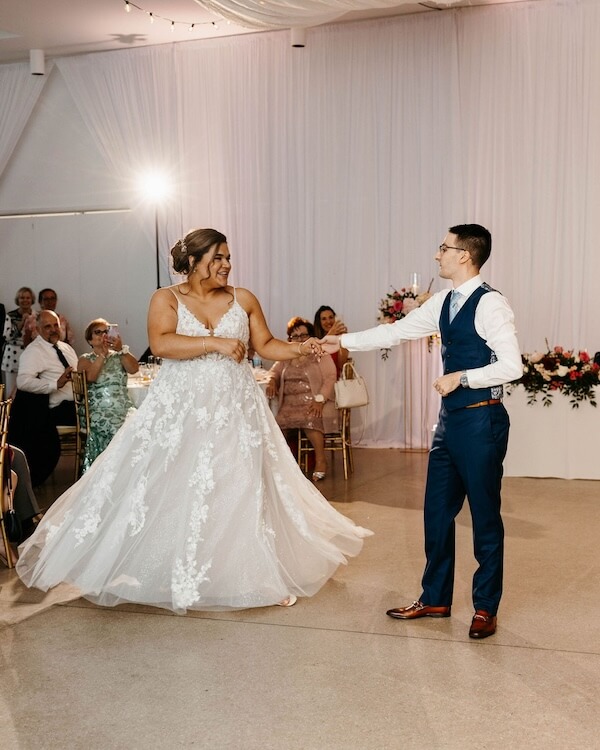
106	368
327	324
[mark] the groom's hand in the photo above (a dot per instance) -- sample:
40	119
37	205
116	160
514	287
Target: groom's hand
447	383
330	344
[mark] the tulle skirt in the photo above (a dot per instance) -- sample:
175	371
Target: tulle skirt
197	503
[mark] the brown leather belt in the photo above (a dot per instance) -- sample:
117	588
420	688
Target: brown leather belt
489	402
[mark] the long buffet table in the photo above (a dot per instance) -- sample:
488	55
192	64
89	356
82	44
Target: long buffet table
552	441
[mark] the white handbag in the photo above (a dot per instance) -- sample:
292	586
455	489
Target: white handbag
350	389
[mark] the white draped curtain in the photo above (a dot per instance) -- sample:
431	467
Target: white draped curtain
128	101
282	14
336	170
20	92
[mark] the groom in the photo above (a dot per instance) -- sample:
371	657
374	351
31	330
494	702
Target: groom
480	352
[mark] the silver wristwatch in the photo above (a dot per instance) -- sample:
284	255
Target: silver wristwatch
124	350
320	398
464	381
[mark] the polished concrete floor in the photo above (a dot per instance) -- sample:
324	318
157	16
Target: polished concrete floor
333	672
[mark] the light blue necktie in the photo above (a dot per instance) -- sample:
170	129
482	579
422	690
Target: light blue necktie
455	298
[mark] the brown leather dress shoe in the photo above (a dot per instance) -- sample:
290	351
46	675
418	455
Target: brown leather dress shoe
483	624
418	609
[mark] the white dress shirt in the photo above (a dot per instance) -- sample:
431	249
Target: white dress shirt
494	322
40	368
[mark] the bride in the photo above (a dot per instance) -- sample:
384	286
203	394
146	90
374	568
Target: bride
197	503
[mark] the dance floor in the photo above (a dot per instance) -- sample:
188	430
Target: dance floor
332	672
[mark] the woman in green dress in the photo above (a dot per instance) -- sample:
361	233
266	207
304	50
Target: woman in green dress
106	368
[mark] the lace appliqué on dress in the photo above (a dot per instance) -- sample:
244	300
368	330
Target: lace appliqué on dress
137	514
186	577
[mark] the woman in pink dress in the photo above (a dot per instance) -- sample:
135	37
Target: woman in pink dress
305	389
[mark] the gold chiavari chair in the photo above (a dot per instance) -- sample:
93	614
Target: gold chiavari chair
72	437
8	554
80	396
335	442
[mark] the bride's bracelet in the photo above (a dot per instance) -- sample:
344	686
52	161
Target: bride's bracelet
204	345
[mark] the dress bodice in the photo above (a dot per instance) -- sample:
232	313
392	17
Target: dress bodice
234	324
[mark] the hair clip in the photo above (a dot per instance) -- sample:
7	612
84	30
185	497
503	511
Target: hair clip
183	246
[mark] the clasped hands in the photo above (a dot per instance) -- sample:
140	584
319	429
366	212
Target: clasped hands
331	342
64	378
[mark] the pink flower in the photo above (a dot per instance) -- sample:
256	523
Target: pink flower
558	349
397	306
410	304
584	357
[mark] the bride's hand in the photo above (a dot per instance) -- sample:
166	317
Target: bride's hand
312	346
233	348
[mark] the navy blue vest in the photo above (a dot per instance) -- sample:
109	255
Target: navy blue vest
464	349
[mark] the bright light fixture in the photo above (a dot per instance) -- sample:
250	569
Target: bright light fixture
154	186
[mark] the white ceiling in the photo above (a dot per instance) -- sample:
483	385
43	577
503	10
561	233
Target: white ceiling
69	27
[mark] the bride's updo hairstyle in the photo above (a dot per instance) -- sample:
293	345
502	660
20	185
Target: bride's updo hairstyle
194	245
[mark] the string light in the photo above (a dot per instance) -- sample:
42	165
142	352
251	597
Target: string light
153	16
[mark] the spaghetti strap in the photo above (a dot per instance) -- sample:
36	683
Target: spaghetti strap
174	293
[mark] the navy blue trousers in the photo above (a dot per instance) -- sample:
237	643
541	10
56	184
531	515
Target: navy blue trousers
465	460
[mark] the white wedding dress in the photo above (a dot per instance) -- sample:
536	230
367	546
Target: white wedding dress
197	503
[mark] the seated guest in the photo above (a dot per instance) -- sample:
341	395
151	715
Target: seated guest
24	500
305	387
44	397
326	324
47	300
106	371
13	337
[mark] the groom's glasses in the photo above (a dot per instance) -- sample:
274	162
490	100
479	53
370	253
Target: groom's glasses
299	337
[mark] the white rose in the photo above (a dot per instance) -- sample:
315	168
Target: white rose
536	357
561	371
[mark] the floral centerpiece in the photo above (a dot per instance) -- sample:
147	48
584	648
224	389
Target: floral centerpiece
397	304
559	370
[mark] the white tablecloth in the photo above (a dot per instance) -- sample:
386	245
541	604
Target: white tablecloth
137	389
552	441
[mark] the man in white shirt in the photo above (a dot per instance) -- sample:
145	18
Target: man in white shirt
45	367
480	353
44	397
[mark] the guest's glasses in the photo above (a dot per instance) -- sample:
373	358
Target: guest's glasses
100	331
299	337
443	248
